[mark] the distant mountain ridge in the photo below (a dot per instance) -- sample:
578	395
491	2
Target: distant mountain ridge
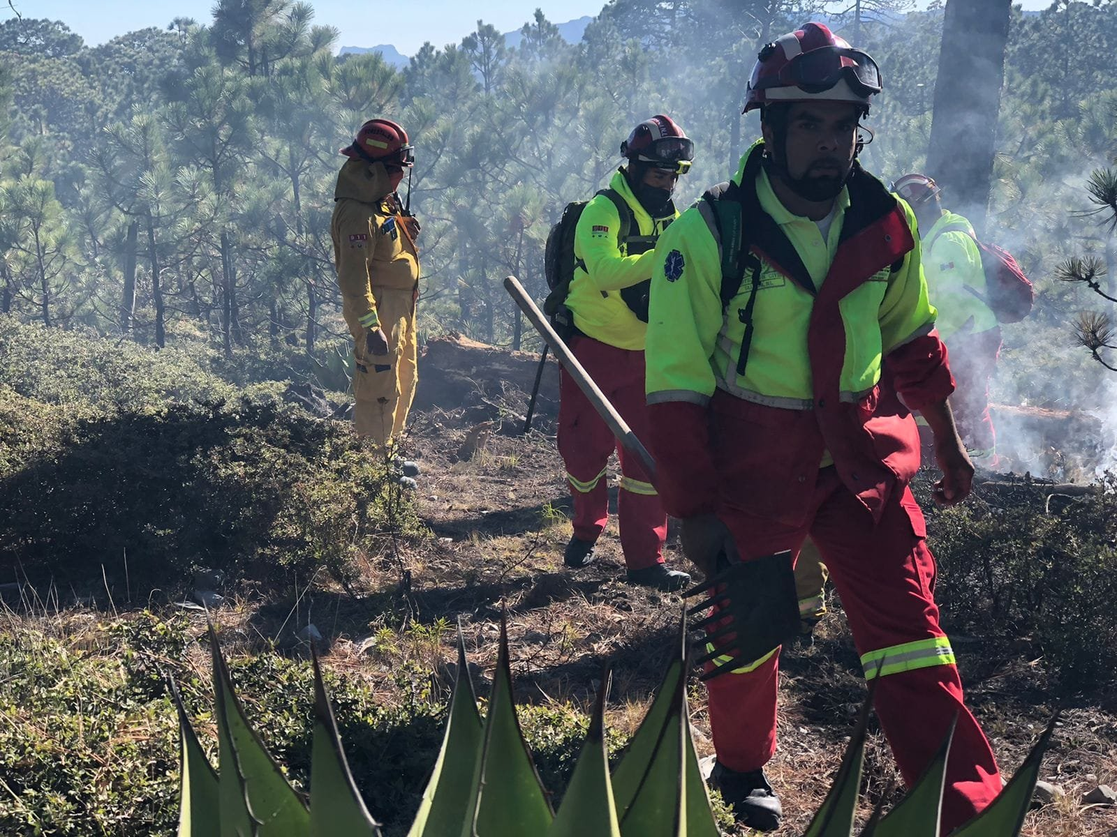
571	32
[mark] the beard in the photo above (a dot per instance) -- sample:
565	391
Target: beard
823	181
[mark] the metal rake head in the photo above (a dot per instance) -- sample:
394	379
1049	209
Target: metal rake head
753	610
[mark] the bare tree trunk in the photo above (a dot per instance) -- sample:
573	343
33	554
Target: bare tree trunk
967	100
311	294
228	294
518	316
226	303
156	285
128	301
44	283
273	320
311	315
9	290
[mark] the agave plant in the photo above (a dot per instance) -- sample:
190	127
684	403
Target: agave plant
484	783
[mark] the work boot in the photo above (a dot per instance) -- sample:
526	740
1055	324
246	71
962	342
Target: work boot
578	553
752	799
405	467
658	576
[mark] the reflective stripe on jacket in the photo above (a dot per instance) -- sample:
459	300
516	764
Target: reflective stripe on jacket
372	246
603	268
813	373
952	265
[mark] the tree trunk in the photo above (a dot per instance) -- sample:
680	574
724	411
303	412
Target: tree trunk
967	100
128	301
311	315
230	325
156	285
226	298
273	320
517	314
8	292
44	283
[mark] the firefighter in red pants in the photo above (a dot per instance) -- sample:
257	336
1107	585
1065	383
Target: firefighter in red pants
968	326
769	423
608	297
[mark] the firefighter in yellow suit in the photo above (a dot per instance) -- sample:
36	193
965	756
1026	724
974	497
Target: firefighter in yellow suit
378	271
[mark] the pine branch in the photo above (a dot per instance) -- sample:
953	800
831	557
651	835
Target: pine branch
1085	269
1096	332
1103	192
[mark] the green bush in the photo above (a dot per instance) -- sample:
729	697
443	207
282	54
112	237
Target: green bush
256	489
1016	561
151	463
67	367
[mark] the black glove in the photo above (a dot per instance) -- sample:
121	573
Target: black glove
376	342
707	542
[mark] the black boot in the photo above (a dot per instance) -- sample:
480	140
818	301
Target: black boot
658	576
578	553
752	799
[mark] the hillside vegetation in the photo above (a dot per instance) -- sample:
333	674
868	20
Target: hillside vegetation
309	532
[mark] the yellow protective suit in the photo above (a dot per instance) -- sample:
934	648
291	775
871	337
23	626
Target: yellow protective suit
378	272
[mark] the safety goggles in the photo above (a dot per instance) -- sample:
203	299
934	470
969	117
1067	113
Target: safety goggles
405	156
820	69
672	154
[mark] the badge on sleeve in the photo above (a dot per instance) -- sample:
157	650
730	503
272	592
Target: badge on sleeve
673	266
599	231
388	228
357	240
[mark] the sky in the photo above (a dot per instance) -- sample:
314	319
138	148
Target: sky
405	25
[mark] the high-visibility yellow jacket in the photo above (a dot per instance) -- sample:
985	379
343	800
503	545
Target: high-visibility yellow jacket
603	268
955	277
372	245
690	324
826	316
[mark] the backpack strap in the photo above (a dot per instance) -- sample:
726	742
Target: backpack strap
948	229
623	210
727	211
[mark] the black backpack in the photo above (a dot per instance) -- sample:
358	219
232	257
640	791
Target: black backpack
559	262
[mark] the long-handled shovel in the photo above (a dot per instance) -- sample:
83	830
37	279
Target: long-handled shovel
757	607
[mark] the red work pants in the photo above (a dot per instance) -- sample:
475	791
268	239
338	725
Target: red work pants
973	360
586	443
885	576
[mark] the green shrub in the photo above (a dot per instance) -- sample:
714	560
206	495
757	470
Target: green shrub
67	367
255	489
1015	561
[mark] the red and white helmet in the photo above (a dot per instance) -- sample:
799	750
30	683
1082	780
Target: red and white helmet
812	64
916	188
660	142
382	140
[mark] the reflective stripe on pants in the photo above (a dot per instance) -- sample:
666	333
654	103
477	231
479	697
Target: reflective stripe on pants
586	443
885	578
